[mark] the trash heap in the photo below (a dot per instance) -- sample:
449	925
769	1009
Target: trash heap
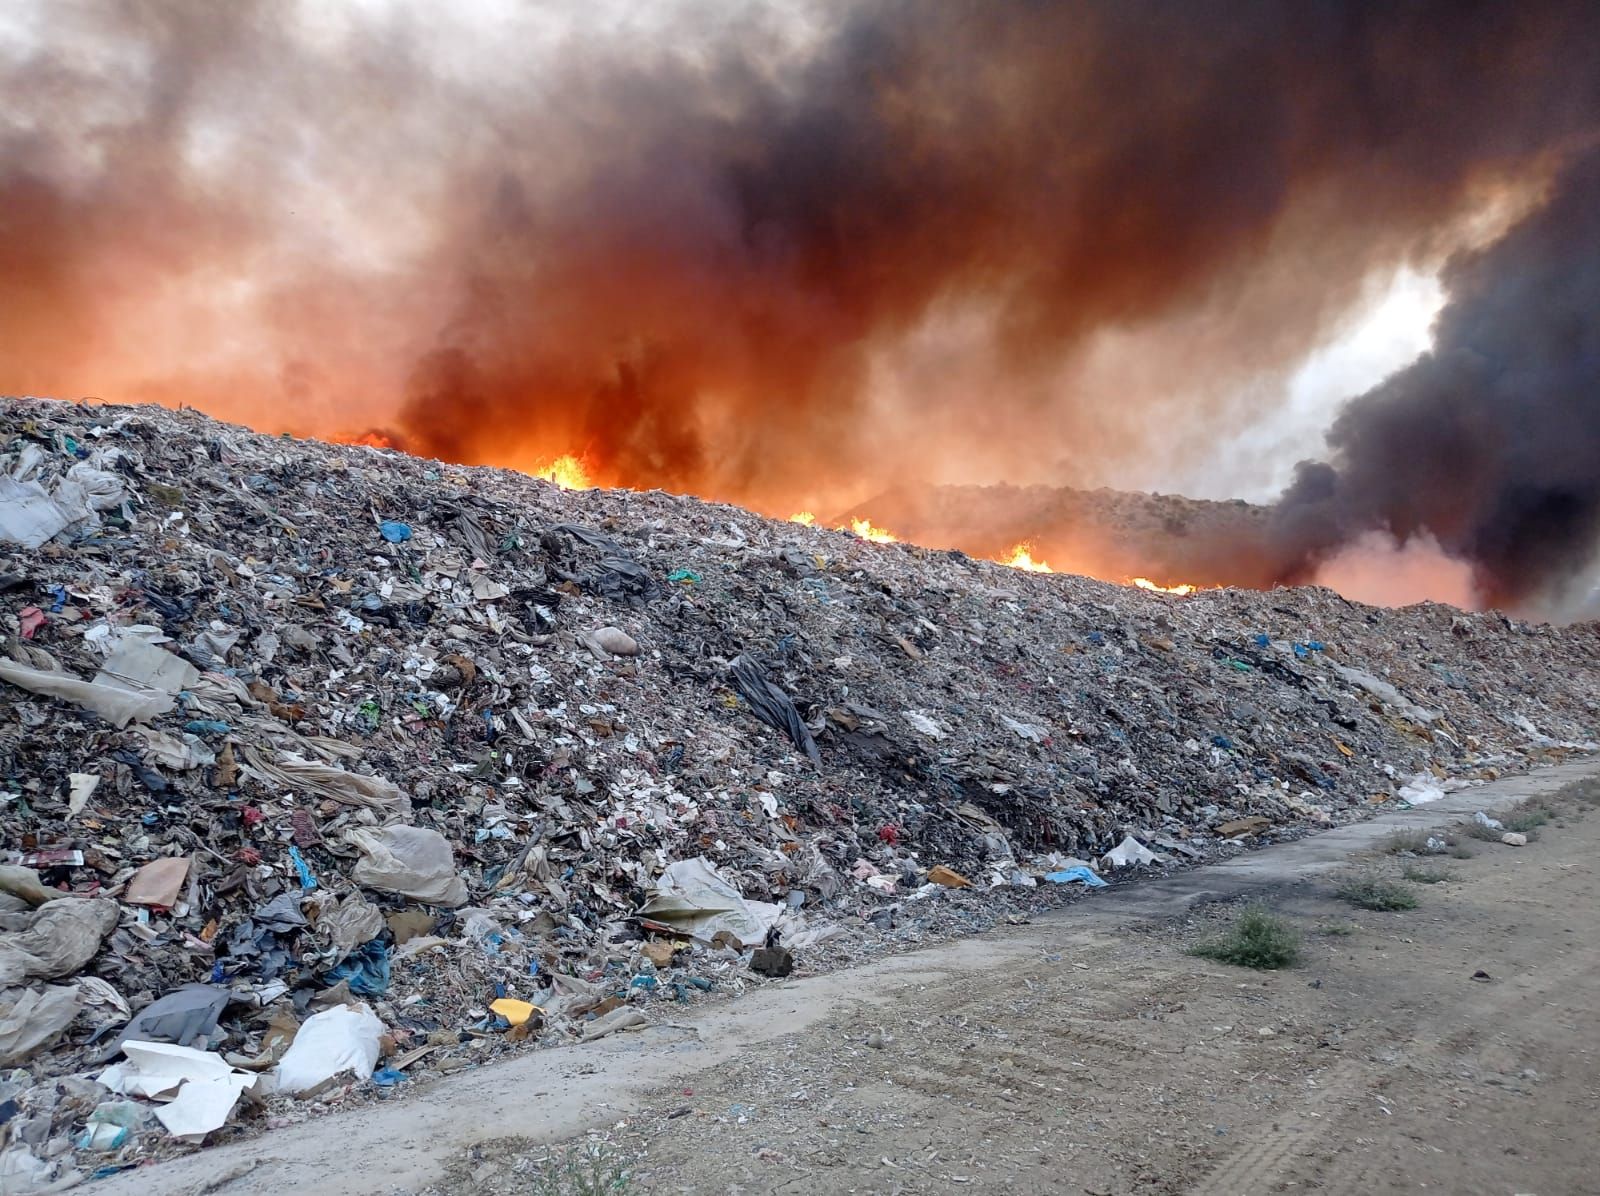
1110	533
325	767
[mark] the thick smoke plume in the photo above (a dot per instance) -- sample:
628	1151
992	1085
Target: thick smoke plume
763	259
1490	443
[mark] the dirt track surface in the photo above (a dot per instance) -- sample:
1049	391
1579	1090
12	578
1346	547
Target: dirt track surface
1083	1053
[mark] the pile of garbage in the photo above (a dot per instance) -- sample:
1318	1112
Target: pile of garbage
323	767
1114	534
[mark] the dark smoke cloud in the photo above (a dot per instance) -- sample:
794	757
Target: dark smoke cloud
686	257
702	307
1491	441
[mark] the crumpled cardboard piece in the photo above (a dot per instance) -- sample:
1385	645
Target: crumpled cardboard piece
160	882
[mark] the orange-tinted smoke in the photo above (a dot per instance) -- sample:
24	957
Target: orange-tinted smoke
685	259
700	309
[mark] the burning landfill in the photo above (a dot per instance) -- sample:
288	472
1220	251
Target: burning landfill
328	769
832	258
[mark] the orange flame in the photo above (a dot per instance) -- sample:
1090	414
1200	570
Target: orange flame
567	471
1021	557
1144	583
859	527
877	535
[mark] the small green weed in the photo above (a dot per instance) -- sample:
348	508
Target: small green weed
590	1170
1373	892
1337	930
1526	821
1257	939
1414	842
1424	875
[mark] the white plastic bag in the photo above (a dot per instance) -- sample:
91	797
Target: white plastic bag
28	516
117	705
344	1038
410	860
1421	789
694	897
1129	852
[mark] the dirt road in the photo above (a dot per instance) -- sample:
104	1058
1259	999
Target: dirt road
1083	1053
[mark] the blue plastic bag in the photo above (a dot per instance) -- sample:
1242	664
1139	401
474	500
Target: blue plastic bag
1076	872
307	881
366	968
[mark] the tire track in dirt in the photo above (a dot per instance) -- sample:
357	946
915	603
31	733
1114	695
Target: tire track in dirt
1258	1166
1344	1172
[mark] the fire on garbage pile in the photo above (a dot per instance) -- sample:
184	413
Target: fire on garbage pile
327	766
